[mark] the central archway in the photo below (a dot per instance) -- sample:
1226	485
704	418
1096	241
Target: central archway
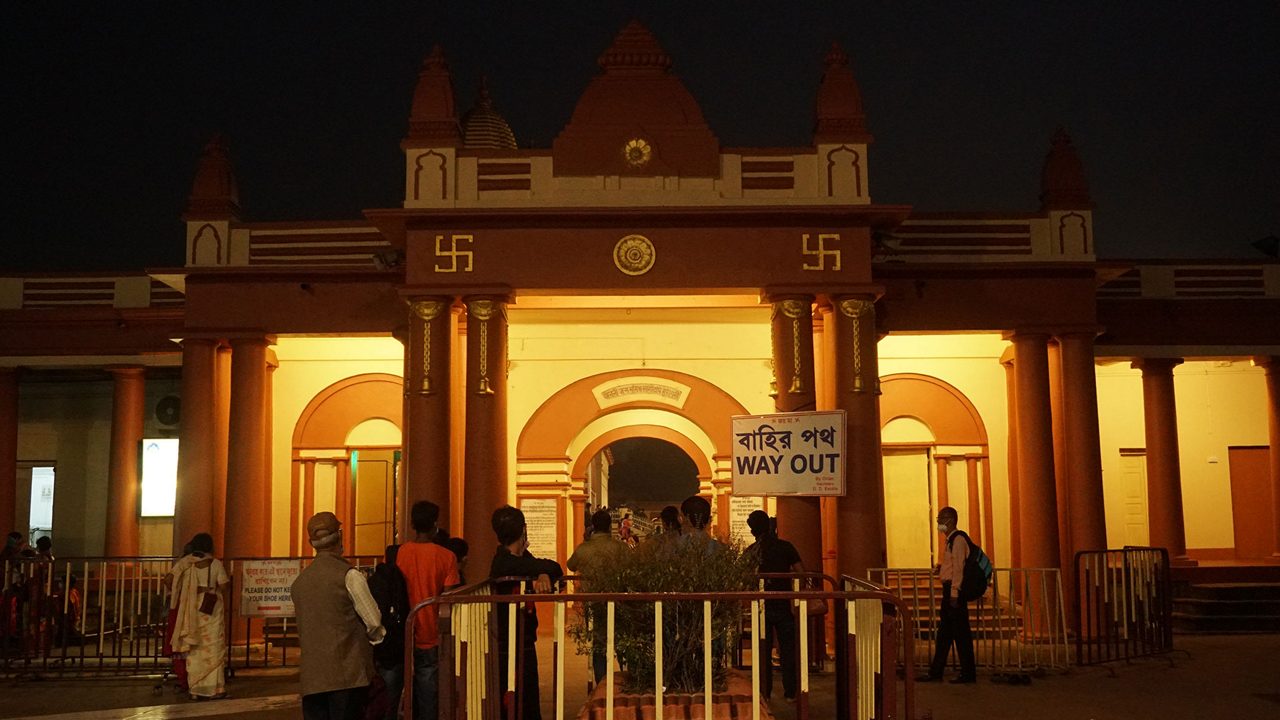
556	446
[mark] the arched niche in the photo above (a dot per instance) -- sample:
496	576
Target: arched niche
332	415
949	415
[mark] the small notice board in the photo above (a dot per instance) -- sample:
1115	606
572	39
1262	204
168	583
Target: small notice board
799	453
264	587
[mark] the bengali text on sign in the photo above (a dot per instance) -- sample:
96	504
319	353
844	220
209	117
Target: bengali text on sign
789	454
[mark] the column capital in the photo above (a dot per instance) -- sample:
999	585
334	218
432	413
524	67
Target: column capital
251	340
776	296
125	370
1155	366
1026	335
1089	334
1270	363
428	307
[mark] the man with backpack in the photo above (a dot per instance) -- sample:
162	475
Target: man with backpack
953	625
388	589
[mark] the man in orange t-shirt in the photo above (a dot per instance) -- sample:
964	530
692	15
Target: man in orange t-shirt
429	569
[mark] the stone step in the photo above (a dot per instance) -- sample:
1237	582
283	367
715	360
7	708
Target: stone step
1183	622
1197	606
1229	591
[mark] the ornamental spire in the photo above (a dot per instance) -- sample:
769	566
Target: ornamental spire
433	120
1062	183
838	113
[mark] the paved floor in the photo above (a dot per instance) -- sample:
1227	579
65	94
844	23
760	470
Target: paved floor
1209	677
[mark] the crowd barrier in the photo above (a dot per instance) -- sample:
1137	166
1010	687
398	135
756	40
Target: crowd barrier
1019	625
866	647
1124	604
99	615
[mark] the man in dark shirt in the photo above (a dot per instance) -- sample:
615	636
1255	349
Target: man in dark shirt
513	559
776	556
388	589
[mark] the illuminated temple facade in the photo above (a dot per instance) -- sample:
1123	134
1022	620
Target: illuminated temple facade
486	340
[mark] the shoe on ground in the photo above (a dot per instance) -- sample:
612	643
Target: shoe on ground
963	680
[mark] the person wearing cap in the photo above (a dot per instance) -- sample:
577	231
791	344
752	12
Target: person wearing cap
338	625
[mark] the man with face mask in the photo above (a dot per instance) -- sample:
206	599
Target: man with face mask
953	625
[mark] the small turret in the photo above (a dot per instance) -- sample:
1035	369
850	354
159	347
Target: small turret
1063	184
433	120
214	195
838	113
1064	199
483	127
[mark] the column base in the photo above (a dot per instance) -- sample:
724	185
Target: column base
1183	561
1273	560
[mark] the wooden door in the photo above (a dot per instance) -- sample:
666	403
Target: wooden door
908	508
1133	481
1251	501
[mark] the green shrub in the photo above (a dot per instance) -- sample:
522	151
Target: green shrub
679	564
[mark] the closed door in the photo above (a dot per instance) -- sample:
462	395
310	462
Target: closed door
1251	504
1133	480
908	508
375	500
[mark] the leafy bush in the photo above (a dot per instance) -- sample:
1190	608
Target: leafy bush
668	564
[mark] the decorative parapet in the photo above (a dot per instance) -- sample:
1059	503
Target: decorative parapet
1194	280
120	292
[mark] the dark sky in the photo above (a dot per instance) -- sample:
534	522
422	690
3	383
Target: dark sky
1174	106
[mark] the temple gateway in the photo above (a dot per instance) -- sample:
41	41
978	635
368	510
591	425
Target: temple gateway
524	310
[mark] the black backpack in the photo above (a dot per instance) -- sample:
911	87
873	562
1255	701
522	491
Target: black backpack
977	570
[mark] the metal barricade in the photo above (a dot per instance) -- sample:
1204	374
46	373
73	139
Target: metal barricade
84	615
1018	626
1124	604
96	615
267	639
469	669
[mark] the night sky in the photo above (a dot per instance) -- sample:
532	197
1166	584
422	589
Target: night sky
1174	107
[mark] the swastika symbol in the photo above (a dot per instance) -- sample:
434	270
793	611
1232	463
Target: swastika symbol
454	253
820	252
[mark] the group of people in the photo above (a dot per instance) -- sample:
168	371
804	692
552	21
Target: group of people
352	629
38	607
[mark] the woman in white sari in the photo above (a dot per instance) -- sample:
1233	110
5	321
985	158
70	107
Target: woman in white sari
200	630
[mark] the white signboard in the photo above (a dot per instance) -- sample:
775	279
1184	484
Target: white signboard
789	454
542	520
264	587
739	509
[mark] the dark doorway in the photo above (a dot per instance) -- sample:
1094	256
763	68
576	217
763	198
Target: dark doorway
649	473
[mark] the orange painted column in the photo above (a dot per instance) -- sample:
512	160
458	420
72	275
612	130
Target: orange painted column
222	423
944	482
485	453
799	518
123	479
1272	365
268	444
1061	443
975	505
428	358
1015	524
1037	495
856	364
193	512
248	530
8	449
1164	470
1084	460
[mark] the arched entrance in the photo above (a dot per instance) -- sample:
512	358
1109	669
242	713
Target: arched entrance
346	456
557	454
935	453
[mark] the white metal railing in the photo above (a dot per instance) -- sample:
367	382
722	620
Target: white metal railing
866	652
1019	625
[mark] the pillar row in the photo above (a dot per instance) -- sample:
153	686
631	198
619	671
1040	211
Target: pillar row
248	526
1164	470
1037	492
428	358
193	511
791	328
485	451
860	512
1272	365
8	448
128	399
